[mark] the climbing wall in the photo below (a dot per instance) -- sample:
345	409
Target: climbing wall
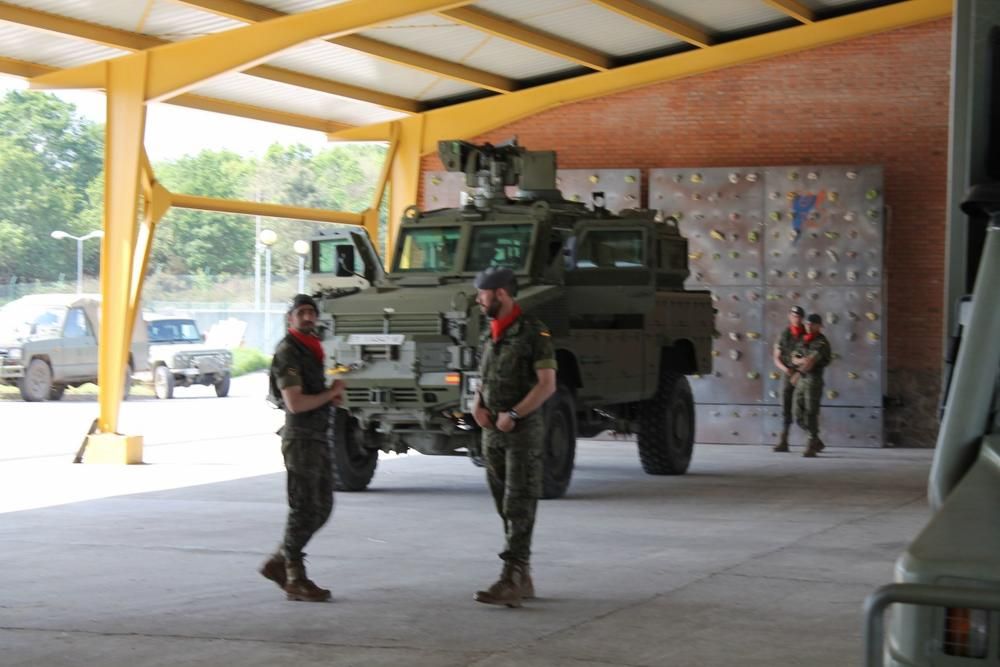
763	240
620	187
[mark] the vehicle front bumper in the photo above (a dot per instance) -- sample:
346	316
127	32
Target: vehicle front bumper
11	372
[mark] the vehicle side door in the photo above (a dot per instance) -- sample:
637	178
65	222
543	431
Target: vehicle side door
77	360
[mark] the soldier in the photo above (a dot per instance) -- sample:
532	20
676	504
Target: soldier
810	358
518	370
783	348
297	373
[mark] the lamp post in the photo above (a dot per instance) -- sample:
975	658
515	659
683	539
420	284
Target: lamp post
301	249
267	238
60	235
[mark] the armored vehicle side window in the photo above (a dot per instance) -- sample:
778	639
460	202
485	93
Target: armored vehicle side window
611	249
326	256
428	249
499	245
77	324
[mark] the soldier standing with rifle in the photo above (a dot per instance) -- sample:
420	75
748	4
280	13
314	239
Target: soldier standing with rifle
810	358
297	376
783	348
518	370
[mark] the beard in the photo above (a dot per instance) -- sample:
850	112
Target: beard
492	310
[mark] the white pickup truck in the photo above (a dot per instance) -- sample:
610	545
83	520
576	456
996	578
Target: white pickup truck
178	355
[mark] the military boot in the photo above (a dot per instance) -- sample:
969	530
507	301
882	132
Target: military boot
508	589
274	569
782	445
527	585
300	587
813	447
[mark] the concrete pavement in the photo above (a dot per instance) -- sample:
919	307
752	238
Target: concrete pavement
753	558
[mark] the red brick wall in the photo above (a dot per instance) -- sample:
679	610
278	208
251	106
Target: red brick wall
877	100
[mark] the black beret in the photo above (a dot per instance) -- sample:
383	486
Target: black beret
814	319
798	310
303	300
496	277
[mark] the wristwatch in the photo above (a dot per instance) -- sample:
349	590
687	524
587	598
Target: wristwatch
512	413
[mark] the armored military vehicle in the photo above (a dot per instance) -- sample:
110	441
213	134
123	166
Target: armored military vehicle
609	287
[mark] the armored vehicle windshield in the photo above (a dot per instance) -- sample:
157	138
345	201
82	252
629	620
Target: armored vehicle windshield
428	249
499	245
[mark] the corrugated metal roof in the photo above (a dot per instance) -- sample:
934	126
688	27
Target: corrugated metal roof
370	66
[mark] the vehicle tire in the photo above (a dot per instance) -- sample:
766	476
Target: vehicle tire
57	391
353	463
36	385
163	382
222	386
666	426
560	443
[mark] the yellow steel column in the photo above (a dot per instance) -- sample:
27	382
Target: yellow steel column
371	215
121	256
405	174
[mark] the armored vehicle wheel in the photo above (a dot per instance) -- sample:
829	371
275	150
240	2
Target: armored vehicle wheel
36	385
57	391
666	427
163	382
560	443
353	464
222	386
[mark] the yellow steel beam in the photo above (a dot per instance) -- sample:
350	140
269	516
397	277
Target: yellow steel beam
130	41
28	70
515	32
657	20
252	13
126	118
405	174
371	215
793	8
260	208
471	119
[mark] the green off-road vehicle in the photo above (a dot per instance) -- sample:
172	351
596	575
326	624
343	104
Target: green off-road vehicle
609	287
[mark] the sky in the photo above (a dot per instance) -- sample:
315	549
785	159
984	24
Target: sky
173	131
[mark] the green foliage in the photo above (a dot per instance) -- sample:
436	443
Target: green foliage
249	359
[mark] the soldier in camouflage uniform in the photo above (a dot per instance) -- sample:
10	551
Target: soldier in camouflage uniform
518	370
297	372
783	348
810	358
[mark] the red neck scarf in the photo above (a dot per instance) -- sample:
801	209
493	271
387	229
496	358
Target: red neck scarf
310	341
808	337
797	331
497	327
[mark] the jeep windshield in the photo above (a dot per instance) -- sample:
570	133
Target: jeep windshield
499	245
174	331
26	320
428	249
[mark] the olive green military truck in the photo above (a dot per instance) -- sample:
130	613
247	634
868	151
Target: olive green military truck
609	287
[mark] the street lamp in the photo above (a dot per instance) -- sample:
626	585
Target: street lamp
60	235
267	238
301	249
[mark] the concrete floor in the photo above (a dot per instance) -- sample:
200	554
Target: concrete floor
753	558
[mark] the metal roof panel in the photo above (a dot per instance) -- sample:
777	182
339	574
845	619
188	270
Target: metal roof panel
272	95
46	48
175	22
718	17
121	14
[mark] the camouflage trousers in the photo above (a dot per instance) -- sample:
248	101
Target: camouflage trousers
310	488
787	402
514	472
808	392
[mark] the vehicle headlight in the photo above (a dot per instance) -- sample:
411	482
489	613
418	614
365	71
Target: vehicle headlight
14	353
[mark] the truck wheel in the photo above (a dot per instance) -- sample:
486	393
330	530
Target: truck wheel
666	427
36	385
57	391
163	382
222	386
560	443
353	464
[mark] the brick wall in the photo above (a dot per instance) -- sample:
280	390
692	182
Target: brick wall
877	100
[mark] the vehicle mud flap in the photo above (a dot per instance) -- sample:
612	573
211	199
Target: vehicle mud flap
560	443
666	426
353	463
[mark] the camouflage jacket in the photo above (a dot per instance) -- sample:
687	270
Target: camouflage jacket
294	365
819	347
787	342
508	366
